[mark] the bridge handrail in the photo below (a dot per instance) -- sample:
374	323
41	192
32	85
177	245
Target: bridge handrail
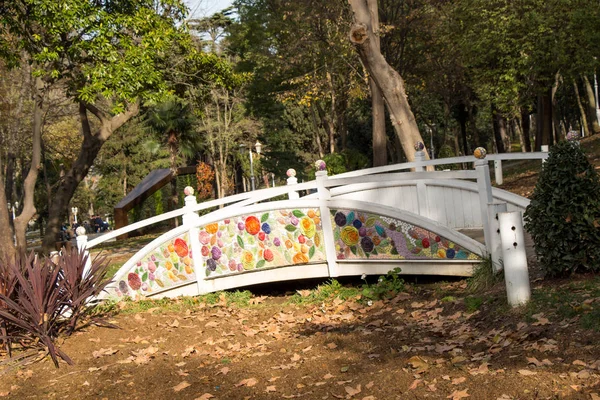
541	155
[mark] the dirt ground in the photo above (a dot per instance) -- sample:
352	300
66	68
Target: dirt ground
426	342
432	340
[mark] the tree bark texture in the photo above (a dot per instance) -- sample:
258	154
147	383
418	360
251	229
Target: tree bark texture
591	105
92	143
386	78
526	129
500	135
377	104
28	210
584	121
543	135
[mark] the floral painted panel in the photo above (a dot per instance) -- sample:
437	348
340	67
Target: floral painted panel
168	265
271	239
360	235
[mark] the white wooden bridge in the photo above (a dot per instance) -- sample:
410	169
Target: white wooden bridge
362	222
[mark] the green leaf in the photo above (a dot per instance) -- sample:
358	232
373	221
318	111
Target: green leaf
260	264
298	213
353	249
145	277
311	252
265	217
290	228
240	241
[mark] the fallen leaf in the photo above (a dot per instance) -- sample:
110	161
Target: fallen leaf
104	352
534	361
345	368
579	362
369	385
459	394
595	396
182	385
458	381
369	398
247	382
174	324
353	391
224	370
4	394
331	346
415	384
271	389
296	357
327	376
526	372
205	396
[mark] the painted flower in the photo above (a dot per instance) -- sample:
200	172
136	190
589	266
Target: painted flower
212	228
153	257
211	264
151	276
216	252
349	235
362	231
268	255
247	260
441	253
357	223
266	228
367	244
294	220
301	239
145	287
241	226
180	247
169	265
300	258
232	265
205	250
152	266
450	253
252	225
204	237
425	242
261	236
307	227
340	219
134	281
277	242
123	287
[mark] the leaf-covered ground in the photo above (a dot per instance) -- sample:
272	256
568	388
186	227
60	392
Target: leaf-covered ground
429	341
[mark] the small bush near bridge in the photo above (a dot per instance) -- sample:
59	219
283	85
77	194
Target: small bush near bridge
564	215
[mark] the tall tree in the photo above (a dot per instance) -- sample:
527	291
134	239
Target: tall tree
387	79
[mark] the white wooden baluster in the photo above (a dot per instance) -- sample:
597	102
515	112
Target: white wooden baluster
190	220
498	177
324	196
292	180
484	186
82	247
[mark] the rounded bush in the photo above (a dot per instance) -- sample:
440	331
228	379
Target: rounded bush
563	217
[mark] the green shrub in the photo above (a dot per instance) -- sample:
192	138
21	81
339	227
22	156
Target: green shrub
564	214
387	286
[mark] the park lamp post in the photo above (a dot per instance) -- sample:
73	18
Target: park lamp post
258	148
74	211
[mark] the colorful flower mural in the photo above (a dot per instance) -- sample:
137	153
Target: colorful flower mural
272	239
361	235
168	265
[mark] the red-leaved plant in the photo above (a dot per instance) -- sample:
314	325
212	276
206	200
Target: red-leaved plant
47	298
8	284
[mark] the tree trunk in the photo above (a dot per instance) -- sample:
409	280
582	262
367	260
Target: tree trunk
92	143
387	79
555	120
584	121
592	106
28	210
377	105
499	130
543	135
316	131
7	247
526	128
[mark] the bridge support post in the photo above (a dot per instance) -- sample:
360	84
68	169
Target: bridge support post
484	187
419	156
516	273
82	248
498	177
324	196
494	209
190	220
292	180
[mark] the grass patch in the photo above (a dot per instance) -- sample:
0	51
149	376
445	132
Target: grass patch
483	277
473	303
325	292
569	301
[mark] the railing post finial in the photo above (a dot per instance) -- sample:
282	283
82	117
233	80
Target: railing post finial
292	180
419	155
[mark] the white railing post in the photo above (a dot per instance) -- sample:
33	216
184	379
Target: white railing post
494	209
545	148
82	248
292	180
419	155
498	172
324	195
516	273
190	220
484	187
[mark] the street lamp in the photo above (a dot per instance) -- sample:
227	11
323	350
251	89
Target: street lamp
74	211
258	148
